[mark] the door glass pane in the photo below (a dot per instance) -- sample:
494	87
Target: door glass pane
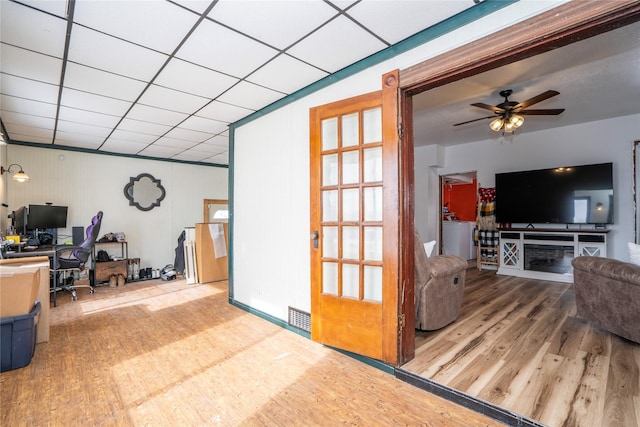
330	278
351	204
330	169
373	283
330	205
351	242
373	164
350	167
373	204
373	243
350	130
330	242
372	125
350	280
330	134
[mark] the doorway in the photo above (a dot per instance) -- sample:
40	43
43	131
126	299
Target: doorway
458	204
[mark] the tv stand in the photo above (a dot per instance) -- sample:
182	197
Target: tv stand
546	254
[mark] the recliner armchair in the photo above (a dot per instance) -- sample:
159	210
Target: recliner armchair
67	259
439	287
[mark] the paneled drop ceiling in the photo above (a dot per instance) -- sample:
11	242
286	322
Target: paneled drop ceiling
164	79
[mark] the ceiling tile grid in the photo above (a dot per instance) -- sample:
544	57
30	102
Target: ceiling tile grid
165	78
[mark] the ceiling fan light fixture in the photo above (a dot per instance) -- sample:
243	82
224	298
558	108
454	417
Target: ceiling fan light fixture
516	120
496	124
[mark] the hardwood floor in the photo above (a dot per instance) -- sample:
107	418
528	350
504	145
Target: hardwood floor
519	344
169	354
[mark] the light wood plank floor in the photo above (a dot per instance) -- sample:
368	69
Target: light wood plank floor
519	344
169	354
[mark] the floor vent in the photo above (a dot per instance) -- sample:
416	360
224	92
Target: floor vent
300	319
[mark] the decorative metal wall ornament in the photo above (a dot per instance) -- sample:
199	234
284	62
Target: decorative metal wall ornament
144	192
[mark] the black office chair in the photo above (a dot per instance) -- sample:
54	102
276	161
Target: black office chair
67	259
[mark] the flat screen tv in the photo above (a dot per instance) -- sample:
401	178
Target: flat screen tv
567	195
47	216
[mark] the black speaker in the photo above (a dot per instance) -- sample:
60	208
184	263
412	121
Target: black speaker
78	235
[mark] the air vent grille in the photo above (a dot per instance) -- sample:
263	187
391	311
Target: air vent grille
300	319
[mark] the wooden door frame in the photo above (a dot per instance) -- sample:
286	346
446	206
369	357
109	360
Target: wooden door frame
207	202
561	26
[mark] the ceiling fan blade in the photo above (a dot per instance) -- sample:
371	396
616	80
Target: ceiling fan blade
547	112
474	120
488	107
544	95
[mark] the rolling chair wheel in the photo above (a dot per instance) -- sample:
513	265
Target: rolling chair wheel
91	291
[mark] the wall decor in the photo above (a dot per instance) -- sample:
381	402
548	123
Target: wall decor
144	192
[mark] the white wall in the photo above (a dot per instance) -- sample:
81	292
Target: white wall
596	142
271	258
88	183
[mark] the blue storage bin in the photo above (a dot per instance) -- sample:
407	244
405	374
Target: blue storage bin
18	339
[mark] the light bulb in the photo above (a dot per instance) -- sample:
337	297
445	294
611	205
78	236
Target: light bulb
496	124
516	120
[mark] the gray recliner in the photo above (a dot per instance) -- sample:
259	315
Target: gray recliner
439	287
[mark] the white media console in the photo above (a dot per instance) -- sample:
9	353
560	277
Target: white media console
546	254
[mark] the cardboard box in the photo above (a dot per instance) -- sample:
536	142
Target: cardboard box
18	290
27	266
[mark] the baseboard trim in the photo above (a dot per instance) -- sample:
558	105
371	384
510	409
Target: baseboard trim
485	408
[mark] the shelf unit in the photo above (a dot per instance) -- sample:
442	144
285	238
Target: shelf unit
102	271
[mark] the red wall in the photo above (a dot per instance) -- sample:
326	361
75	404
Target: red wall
461	199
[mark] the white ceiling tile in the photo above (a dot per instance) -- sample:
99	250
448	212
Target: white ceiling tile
192	156
224	112
83	129
211	149
96	103
159	25
219	141
27	106
30	65
102	83
293	19
56	7
27	120
188	135
44	34
170	99
28	89
204	125
160	151
286	74
79	140
115	145
194	79
222	158
156	115
216	47
107	53
336	45
173	142
248	95
343	4
414	15
30	138
143	127
29	132
133	136
88	117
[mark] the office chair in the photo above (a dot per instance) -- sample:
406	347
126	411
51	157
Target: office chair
67	259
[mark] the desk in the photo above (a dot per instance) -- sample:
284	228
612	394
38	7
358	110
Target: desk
49	252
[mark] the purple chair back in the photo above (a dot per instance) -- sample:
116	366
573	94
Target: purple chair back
92	235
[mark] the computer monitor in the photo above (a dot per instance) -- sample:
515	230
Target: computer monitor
20	220
47	216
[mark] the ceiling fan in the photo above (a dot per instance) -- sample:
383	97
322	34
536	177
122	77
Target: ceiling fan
508	114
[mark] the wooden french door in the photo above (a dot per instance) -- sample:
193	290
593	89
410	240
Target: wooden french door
355	222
